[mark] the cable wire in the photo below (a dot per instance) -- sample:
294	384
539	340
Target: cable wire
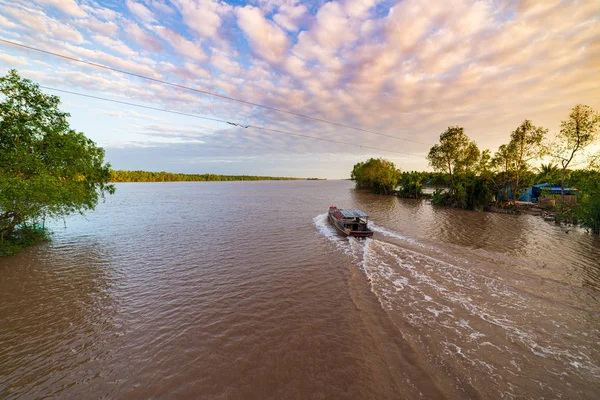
204	91
223	121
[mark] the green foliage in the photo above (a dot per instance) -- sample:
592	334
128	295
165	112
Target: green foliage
577	132
411	184
587	210
468	170
456	154
146	176
503	164
588	213
21	237
377	174
512	161
46	169
525	145
548	173
471	192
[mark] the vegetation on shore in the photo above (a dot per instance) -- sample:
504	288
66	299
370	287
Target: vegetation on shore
47	170
147	176
377	174
477	180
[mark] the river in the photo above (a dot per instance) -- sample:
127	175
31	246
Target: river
231	290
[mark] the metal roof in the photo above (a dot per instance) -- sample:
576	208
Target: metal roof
353	213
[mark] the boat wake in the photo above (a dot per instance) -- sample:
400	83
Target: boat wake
488	337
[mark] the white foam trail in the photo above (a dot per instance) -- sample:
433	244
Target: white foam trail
427	292
386	232
323	225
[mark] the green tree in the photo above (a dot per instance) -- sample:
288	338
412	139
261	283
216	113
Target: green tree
377	174
525	145
412	184
548	173
587	210
46	168
455	154
576	133
503	163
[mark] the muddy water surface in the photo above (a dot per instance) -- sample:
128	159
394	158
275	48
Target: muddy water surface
242	290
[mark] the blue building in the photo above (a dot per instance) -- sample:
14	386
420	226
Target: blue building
534	192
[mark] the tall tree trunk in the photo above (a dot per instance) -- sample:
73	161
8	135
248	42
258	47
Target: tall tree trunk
12	220
562	187
451	175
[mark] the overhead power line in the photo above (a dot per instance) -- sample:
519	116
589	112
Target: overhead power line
205	92
262	128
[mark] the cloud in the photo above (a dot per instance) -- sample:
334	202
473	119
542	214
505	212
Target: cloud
142	37
196	70
187	71
333	27
116	114
140	65
140	11
290	17
266	39
13	61
183	46
161	7
296	67
36	21
108	28
115	45
67	6
7	24
202	16
100	12
225	64
358	8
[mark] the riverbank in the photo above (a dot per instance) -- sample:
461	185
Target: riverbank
540	209
162	176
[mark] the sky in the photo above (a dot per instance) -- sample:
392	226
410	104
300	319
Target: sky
399	72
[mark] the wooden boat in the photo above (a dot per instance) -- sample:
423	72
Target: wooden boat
350	222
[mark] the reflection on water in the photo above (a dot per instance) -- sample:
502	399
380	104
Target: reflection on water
242	290
57	314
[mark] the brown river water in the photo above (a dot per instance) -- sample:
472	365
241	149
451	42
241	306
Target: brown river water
241	290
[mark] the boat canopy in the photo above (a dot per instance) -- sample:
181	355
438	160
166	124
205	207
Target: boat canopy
353	214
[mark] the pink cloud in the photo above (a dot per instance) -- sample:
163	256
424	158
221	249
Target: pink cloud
140	10
37	21
13	61
67	6
202	16
139	65
142	37
105	28
100	12
115	45
266	39
183	46
291	16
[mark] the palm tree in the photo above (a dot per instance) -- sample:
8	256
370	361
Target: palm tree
549	173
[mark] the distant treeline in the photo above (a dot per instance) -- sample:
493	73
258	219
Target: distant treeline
147	176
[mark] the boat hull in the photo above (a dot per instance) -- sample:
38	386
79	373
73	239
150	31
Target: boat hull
347	232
